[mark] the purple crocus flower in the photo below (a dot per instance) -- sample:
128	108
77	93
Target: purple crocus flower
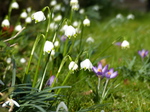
50	80
111	74
143	53
100	71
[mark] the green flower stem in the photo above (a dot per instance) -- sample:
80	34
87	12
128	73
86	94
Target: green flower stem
38	65
81	37
44	73
71	15
14	72
49	19
103	94
64	81
60	68
99	81
31	55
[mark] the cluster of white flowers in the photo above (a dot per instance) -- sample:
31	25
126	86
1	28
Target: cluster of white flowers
74	4
86	64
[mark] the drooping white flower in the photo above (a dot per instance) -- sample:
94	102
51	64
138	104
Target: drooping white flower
86	64
75	23
62	105
53	3
130	16
73	66
38	16
23	14
8	60
58	18
5	22
89	40
119	16
56	43
10	102
125	44
22	60
70	31
48	46
14	5
53	26
73	2
28	20
86	22
29	9
57	7
18	28
75	7
81	11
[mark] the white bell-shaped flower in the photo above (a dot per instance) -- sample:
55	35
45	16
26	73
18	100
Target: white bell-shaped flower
5	22
73	2
48	46
38	16
28	20
18	28
86	64
10	102
23	14
89	40
125	44
86	22
15	5
70	31
73	66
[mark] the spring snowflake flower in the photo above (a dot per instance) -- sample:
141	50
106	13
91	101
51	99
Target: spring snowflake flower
130	16
29	9
89	40
73	66
53	3
28	20
73	2
100	71
8	60
111	74
125	44
81	11
10	102
70	31
86	22
22	60
5	23
75	23
56	43
24	14
62	105
75	7
18	28
15	5
143	53
86	64
58	18
38	16
119	16
48	46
